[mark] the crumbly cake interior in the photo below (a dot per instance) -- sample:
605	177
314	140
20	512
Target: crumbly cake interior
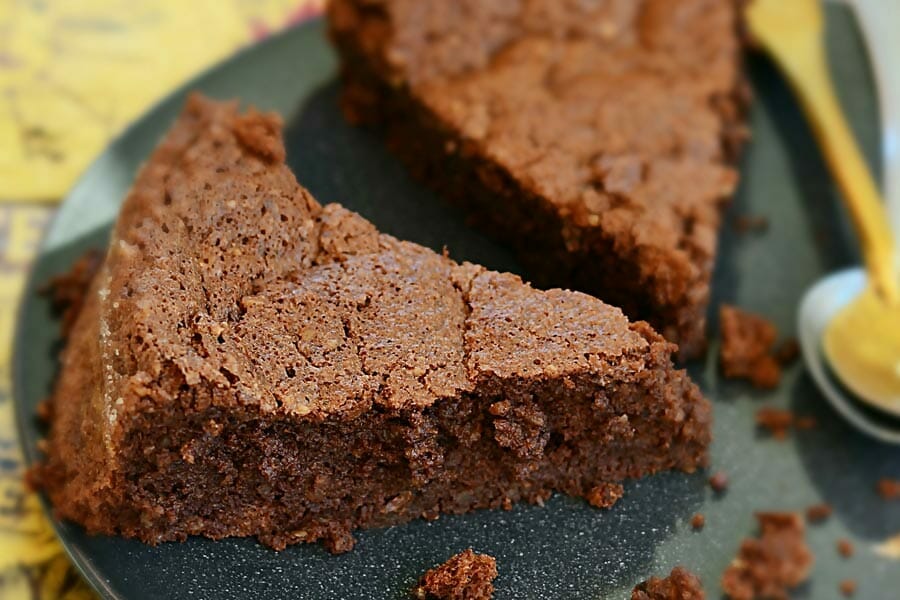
249	362
596	137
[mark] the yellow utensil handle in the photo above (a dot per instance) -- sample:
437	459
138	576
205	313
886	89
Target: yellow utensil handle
806	70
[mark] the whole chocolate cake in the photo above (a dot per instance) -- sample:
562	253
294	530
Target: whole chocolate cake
595	137
249	362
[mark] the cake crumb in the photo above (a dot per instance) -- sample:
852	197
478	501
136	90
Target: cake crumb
787	351
698	521
465	576
845	548
33	478
681	584
889	489
779	421
605	494
719	482
771	564
806	422
751	223
260	134
44	410
746	350
848	587
818	513
776	420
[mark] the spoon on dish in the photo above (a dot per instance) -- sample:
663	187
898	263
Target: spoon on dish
853	317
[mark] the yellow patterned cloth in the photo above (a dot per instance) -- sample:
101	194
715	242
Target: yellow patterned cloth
72	75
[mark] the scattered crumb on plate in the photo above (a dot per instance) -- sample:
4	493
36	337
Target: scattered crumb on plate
818	513
848	587
681	584
465	576
698	521
746	349
776	420
787	351
771	564
719	482
751	223
605	494
806	422
889	489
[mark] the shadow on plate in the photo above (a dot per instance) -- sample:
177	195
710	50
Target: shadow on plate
845	466
828	221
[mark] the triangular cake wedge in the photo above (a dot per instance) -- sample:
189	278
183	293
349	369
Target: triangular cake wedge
249	362
597	138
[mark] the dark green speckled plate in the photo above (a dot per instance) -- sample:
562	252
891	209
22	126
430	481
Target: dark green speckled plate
565	549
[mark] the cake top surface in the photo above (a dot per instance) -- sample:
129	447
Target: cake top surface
226	283
616	112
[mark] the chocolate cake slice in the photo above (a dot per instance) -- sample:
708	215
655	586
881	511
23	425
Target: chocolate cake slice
595	137
249	362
